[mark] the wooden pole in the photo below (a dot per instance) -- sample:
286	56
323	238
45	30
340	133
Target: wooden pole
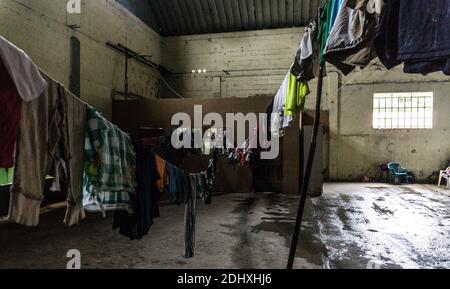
305	184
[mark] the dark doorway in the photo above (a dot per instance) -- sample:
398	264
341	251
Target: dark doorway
75	66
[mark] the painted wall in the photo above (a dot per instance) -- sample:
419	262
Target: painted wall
40	27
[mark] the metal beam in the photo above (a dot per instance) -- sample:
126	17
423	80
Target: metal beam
200	16
183	17
259	14
251	14
282	13
215	15
210	25
170	27
237	14
290	13
274	13
266	14
222	15
244	13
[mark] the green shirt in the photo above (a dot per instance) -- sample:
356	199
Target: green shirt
296	96
6	176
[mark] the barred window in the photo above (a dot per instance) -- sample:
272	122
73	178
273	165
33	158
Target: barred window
410	110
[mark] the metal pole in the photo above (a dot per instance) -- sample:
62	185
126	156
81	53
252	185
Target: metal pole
126	75
305	184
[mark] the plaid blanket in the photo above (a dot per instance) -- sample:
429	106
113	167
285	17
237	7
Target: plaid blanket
109	166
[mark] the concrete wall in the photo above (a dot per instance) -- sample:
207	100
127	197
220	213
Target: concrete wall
356	149
238	64
40	27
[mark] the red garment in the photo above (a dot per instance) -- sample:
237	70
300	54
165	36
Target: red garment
10	113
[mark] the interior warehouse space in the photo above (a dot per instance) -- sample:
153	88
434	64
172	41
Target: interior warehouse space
224	134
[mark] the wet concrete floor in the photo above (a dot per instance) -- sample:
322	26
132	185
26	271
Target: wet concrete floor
350	226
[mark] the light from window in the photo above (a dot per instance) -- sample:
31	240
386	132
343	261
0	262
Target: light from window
410	110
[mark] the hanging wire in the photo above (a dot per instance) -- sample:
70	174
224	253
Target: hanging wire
166	83
161	76
349	82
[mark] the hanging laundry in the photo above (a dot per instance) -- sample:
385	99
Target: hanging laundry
174	183
190	219
109	166
325	26
197	186
69	170
145	201
10	113
6	176
163	174
289	101
335	10
3	177
183	187
241	156
44	142
296	96
306	65
203	191
398	39
279	120
211	172
20	80
29	82
351	40
267	125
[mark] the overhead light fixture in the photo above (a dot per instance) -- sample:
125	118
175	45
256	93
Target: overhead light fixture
199	71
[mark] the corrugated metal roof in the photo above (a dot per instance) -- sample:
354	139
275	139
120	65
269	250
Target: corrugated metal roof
186	17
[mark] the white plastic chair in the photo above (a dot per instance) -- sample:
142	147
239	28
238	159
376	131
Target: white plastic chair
446	175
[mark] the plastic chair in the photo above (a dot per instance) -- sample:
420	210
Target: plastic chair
444	174
398	173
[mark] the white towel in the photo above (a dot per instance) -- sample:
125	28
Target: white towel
24	73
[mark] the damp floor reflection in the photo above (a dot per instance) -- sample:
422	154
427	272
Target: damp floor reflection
350	226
